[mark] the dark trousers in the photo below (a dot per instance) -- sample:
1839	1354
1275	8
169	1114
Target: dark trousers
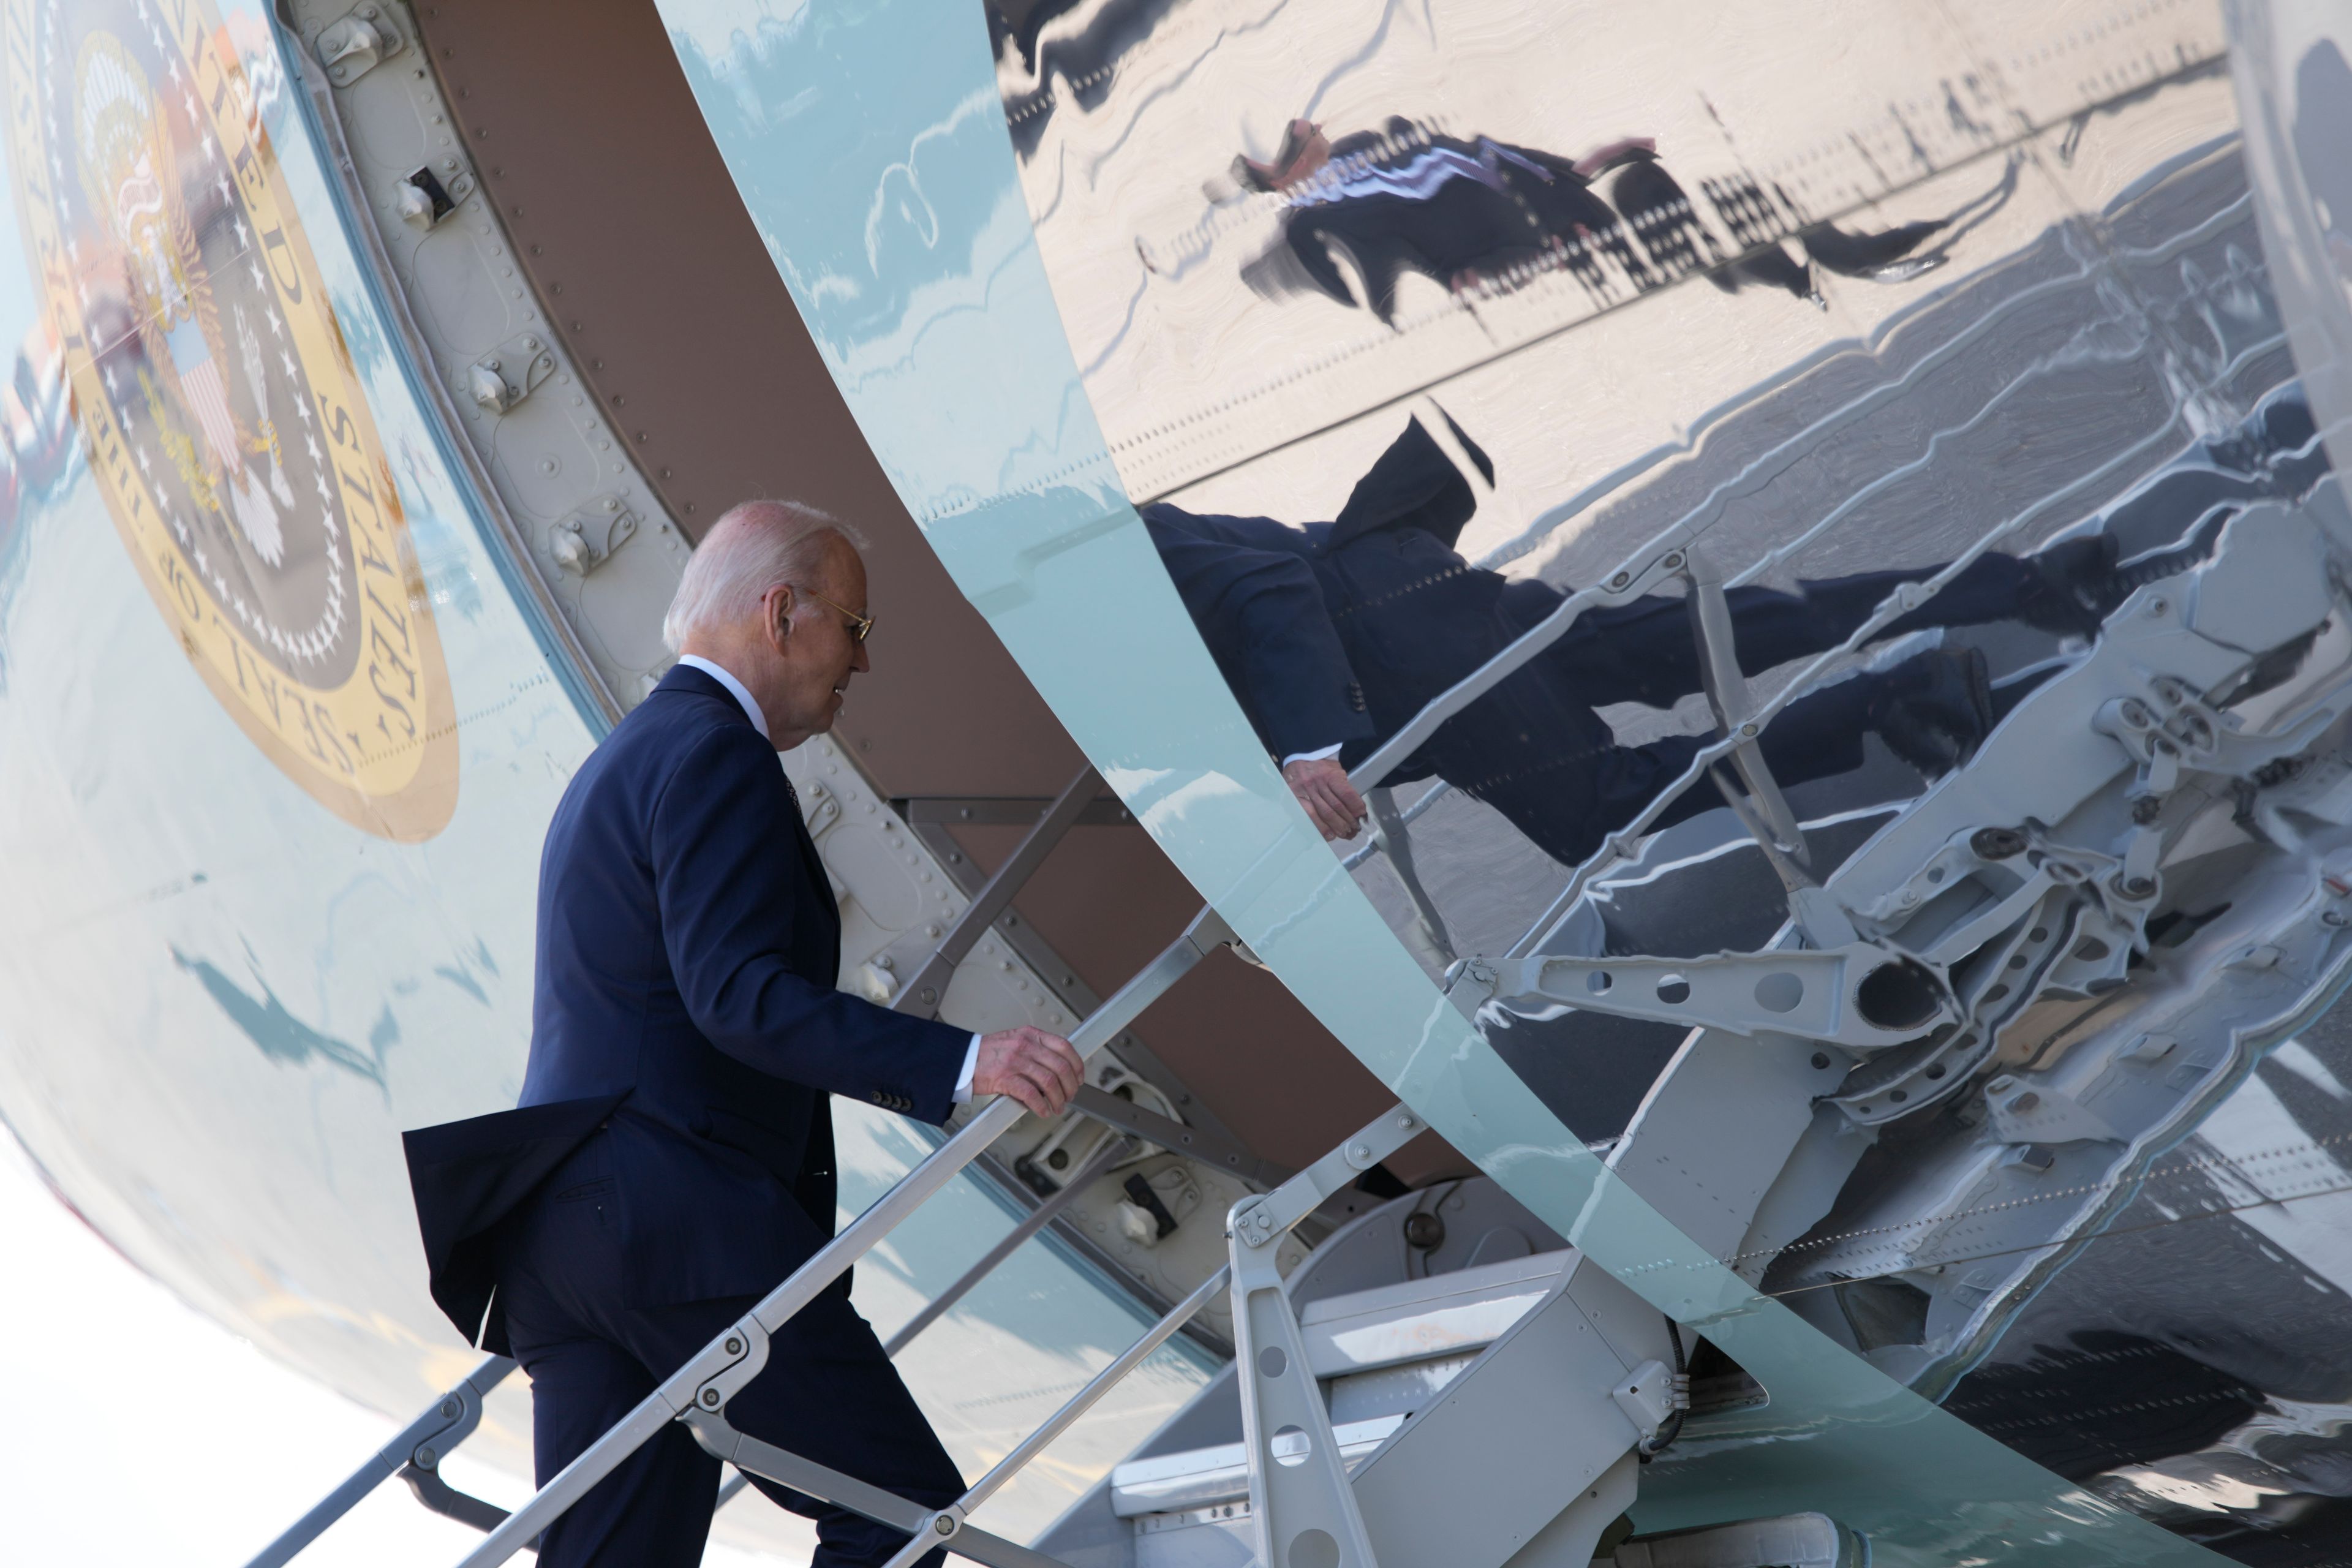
1536	751
829	1394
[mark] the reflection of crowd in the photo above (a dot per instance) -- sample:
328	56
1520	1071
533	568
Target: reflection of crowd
1334	636
1475	212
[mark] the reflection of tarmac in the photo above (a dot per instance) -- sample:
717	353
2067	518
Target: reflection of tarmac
2246	1452
1960	427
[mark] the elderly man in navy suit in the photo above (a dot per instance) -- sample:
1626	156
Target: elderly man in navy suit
672	1158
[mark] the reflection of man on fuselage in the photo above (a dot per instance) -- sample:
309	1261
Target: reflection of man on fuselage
1475	212
1335	635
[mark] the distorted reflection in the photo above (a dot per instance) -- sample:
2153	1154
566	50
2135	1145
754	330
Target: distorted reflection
1458	357
1335	635
1481	215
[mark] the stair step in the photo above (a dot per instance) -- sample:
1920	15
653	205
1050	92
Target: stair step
1419	1319
1202	1477
1448	1316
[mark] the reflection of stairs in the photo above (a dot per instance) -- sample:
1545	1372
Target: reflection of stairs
1487	1411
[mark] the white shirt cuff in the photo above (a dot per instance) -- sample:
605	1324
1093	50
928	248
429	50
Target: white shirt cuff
1330	751
963	1079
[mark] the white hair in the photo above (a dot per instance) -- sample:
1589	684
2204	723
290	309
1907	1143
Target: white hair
752	548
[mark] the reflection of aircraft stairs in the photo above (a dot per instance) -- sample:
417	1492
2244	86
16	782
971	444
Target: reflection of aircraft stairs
2050	966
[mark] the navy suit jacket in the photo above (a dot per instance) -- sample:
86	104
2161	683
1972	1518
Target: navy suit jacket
686	1009
1329	634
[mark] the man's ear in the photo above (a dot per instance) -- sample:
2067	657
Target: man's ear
778	602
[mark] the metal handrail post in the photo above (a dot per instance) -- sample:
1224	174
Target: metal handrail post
1295	1495
712	1376
922	994
1112	1151
1727	693
1390	831
459	1406
944	1526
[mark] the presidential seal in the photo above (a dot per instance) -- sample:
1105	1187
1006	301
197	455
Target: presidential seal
216	399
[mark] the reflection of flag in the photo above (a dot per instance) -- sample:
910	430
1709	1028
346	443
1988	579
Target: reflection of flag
208	399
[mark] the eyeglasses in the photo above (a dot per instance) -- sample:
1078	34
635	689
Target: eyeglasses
860	627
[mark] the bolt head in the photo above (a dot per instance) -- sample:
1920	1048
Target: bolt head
944	1525
734	1345
449	1410
1996	843
427	1459
1359	1152
710	1399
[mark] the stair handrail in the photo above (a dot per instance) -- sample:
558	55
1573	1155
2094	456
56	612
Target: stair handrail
730	1361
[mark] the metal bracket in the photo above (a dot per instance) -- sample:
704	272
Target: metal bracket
437	1495
1175	1136
427	194
1861	995
587	539
413	1456
356	42
505	375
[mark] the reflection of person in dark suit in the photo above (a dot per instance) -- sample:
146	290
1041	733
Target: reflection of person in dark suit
1473	211
672	1161
1334	636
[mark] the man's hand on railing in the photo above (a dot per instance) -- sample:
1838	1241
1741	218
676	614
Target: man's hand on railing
1036	1069
1322	787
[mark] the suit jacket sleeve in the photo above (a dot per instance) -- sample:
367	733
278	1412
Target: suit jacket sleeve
1263	615
732	887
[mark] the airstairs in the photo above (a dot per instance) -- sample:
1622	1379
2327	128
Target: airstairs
1411	1341
1451	1347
